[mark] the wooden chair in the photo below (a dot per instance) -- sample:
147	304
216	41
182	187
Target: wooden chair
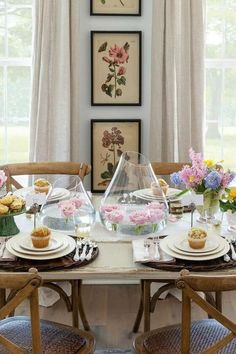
166	168
205	336
22	334
43	168
53	168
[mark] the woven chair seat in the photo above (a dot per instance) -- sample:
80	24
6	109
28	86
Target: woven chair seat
56	338
203	334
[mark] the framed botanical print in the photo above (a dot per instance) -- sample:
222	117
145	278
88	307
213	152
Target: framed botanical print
109	139
115	7
116	68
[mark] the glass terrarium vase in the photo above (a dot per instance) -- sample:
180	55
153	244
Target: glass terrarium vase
134	202
72	208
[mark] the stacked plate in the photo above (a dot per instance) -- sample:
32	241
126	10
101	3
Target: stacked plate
59	246
147	194
57	193
178	247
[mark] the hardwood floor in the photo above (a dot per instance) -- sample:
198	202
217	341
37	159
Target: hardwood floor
111	311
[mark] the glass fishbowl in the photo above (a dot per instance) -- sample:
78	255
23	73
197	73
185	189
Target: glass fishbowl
70	208
134	203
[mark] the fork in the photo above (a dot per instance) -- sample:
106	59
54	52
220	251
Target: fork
157	255
2	246
77	249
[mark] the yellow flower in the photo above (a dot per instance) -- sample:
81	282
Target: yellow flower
191	178
232	193
209	163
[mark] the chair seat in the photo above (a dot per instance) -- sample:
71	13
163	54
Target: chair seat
56	338
203	334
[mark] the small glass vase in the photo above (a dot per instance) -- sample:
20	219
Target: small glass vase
231	219
210	207
130	204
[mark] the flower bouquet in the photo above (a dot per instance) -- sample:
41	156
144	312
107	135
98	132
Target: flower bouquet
204	177
228	205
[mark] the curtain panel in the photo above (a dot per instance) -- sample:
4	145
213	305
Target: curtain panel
54	109
177	87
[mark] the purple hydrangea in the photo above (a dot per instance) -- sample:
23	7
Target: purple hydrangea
213	180
175	178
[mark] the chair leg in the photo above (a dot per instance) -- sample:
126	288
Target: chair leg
146	304
140	310
2	297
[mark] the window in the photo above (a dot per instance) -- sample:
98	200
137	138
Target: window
220	134
15	79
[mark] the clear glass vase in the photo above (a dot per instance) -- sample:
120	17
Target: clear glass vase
134	202
210	207
75	208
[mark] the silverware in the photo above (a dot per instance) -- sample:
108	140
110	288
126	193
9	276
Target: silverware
2	247
157	255
77	249
146	244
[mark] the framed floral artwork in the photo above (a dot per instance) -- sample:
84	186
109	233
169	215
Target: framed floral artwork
109	139
115	7
116	68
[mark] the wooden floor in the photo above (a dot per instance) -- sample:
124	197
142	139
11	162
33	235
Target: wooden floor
111	311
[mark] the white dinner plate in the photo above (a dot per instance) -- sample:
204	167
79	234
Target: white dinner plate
36	251
60	253
26	243
57	193
183	245
193	257
147	194
198	253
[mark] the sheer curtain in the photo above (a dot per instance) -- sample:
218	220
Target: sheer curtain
54	110
177	101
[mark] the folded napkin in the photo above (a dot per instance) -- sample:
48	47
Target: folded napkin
140	253
5	255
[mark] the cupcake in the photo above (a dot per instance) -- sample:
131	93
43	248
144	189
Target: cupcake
164	186
197	238
41	185
40	237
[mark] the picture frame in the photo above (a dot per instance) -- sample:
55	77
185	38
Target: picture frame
115	7
109	139
116	60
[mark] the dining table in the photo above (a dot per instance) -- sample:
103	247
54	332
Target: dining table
115	260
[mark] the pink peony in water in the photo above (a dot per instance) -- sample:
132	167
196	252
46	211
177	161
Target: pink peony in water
155	215
3	178
67	208
156	206
109	207
77	202
139	217
115	216
119	54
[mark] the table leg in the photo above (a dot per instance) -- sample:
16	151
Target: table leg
75	303
218	297
2	297
81	308
146	304
140	310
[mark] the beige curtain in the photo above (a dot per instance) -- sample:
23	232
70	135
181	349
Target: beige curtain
54	110
177	88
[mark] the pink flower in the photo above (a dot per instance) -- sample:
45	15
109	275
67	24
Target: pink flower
119	54
115	216
109	207
121	71
3	178
106	59
139	217
77	202
155	215
67	208
156	206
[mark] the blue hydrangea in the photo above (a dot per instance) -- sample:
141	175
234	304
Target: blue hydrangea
213	180
175	178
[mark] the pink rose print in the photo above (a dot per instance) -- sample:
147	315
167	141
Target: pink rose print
115	57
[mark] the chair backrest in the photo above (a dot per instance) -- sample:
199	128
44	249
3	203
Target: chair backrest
27	286
190	286
166	168
43	168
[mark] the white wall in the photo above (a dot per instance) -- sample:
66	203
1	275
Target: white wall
88	112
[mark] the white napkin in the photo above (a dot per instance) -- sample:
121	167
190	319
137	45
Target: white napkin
5	255
140	253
